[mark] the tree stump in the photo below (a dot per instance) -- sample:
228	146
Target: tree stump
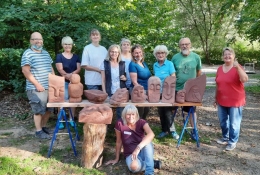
93	145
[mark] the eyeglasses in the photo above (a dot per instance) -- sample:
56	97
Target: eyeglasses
185	44
67	44
160	53
114	52
37	39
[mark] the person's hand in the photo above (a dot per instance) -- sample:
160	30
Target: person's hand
40	88
68	76
215	104
235	64
113	162
123	78
135	154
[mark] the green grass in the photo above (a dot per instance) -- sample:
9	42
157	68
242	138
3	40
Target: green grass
211	75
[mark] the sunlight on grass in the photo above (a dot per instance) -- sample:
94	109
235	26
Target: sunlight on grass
211	75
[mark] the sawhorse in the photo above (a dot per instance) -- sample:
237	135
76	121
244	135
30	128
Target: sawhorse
191	111
62	116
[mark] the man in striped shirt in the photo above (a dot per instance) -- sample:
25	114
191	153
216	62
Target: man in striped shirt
36	66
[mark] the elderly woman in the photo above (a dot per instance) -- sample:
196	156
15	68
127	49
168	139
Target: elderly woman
139	73
230	98
113	73
126	57
163	68
135	135
67	64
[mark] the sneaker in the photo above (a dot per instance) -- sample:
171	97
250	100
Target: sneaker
61	126
222	141
230	147
162	134
46	130
42	135
157	164
175	135
72	124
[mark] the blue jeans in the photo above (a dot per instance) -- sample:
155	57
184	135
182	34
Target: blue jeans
97	87
145	160
66	93
119	111
230	119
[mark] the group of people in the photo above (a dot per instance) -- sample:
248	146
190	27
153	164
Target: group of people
123	66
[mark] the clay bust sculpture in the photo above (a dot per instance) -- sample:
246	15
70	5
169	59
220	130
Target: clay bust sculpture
168	93
75	89
96	114
56	88
95	96
120	96
195	89
154	88
138	94
180	96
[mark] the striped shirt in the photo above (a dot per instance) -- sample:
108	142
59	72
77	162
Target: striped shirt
40	67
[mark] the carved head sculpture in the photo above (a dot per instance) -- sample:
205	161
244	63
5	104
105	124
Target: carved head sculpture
138	94
95	96
75	79
195	89
56	88
168	94
75	89
154	88
96	114
120	96
180	96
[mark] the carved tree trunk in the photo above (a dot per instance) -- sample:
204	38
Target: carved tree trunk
93	145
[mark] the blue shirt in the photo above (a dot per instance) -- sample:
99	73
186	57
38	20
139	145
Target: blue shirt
40	67
143	73
164	70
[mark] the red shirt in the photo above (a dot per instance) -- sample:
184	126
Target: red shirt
230	90
130	138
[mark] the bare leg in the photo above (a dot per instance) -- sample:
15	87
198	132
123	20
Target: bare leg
191	120
73	112
45	118
38	122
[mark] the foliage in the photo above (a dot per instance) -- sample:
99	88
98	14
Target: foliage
10	74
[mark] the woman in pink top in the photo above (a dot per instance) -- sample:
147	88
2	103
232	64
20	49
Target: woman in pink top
230	98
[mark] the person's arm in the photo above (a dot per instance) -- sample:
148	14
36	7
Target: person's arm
241	73
173	74
215	102
198	73
86	61
118	148
91	68
146	140
133	77
59	67
77	70
29	76
103	76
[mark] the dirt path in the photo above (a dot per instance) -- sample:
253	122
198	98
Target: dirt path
16	140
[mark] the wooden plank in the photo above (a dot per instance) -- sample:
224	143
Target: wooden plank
146	104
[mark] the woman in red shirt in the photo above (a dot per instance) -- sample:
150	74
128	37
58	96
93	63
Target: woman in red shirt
230	98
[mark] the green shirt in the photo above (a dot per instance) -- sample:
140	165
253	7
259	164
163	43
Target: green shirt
186	68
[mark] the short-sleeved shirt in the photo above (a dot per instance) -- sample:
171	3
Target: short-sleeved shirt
130	138
143	73
93	56
186	68
128	79
164	70
230	90
40	67
69	65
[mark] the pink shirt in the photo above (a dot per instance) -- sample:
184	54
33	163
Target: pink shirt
230	90
130	138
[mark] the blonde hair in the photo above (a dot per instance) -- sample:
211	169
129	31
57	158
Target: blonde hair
119	52
130	109
66	40
230	50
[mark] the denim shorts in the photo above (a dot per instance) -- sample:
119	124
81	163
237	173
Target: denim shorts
38	101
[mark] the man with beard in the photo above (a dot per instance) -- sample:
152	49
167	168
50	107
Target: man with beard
187	65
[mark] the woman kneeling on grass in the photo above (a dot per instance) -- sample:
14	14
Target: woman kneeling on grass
138	147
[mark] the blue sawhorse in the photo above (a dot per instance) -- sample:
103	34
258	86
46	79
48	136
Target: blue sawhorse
191	111
61	116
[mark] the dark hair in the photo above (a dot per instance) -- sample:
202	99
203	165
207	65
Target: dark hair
137	46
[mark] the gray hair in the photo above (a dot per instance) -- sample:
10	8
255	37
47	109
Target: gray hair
130	109
125	40
230	50
119	51
66	40
162	48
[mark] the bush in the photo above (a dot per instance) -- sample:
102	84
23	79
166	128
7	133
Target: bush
11	76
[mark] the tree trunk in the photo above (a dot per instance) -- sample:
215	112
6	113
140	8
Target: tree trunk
93	145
